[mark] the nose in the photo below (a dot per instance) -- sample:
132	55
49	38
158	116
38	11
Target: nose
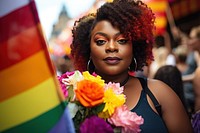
111	47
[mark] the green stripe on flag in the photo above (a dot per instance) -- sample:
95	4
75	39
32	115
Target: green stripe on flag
40	124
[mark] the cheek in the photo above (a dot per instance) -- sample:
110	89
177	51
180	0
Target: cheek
96	52
127	52
127	55
129	58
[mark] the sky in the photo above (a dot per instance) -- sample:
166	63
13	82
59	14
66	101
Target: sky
49	10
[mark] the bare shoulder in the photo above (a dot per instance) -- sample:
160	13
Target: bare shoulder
161	90
164	94
173	111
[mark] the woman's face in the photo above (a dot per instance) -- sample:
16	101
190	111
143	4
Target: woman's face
111	52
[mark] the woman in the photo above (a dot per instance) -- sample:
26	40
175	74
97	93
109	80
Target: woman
115	42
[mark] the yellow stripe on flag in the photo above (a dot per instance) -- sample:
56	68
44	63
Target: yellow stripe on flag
161	22
159	9
158	6
24	75
29	104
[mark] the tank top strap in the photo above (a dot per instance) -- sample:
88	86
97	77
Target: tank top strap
143	82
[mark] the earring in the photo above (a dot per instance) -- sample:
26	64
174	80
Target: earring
90	66
133	65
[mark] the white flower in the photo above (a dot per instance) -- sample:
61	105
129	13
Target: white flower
76	77
73	108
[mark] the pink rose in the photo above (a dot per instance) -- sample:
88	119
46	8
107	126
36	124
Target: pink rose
129	121
115	86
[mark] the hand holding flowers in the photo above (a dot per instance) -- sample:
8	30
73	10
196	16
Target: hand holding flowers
97	106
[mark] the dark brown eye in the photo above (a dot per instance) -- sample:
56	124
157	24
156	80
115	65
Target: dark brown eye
100	42
122	41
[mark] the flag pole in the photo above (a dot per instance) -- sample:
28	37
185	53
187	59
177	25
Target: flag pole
170	19
170	16
176	32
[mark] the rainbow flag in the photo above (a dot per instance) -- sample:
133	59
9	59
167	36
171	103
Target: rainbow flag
159	8
30	98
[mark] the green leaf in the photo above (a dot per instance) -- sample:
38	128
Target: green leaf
98	109
117	130
78	119
70	93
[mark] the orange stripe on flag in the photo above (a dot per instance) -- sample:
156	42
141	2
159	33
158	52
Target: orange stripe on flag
159	9
158	6
19	47
161	22
28	105
24	75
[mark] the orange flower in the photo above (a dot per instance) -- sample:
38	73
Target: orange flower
89	93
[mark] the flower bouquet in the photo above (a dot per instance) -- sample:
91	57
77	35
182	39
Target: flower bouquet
96	106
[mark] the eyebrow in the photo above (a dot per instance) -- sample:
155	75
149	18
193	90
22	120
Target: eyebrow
104	34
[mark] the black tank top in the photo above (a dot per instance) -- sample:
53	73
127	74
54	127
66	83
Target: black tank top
153	123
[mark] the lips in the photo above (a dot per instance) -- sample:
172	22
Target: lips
112	60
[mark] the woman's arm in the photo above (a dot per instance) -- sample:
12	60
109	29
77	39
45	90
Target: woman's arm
188	78
173	111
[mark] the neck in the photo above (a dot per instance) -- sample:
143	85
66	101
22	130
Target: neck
125	81
119	78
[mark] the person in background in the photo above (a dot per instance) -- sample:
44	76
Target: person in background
62	64
163	54
194	44
181	53
160	55
182	56
117	41
192	73
172	76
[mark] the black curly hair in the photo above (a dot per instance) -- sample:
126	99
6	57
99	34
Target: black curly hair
80	47
133	18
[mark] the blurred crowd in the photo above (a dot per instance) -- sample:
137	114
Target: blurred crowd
178	66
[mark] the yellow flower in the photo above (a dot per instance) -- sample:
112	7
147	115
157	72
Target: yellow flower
104	115
112	101
97	79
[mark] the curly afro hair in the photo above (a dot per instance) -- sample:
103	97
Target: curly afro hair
80	47
133	18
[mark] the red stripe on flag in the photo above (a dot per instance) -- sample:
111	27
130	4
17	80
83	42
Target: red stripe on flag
163	14
18	21
19	47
